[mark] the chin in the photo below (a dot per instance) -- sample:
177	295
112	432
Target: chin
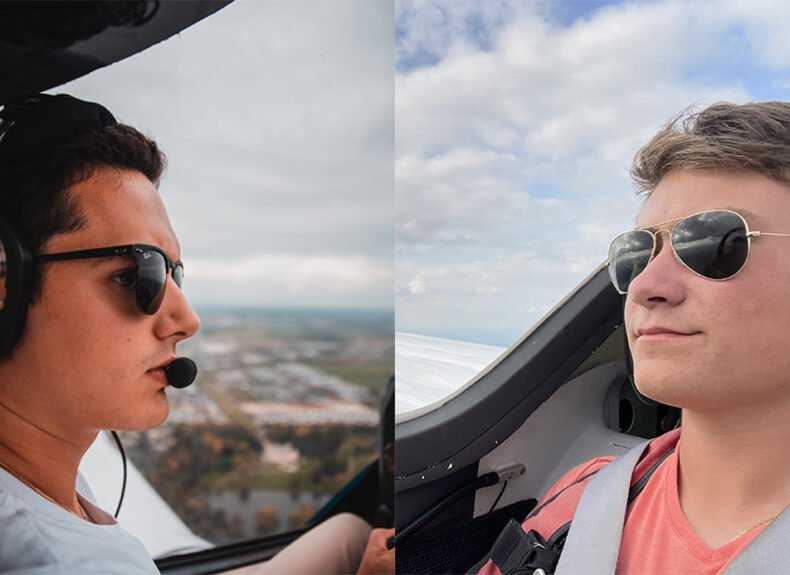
684	391
159	420
149	417
667	388
159	415
663	397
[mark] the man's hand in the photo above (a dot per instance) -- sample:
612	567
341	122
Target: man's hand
377	559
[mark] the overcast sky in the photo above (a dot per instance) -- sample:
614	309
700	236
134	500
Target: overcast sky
515	126
277	120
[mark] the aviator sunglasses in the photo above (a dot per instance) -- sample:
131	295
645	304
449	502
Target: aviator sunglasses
713	244
151	270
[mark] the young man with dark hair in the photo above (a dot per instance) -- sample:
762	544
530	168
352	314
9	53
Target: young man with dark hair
704	275
90	317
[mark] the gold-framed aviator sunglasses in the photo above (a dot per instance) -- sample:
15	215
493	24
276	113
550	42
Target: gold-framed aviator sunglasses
714	244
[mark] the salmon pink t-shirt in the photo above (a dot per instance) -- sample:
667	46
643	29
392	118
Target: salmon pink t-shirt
657	538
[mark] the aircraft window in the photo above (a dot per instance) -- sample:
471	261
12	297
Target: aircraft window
509	188
285	411
495	217
277	122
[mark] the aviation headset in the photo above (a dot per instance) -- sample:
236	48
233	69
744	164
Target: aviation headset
16	271
28	127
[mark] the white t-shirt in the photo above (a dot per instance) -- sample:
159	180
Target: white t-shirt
40	537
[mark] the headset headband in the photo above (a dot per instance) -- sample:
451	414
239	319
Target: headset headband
37	123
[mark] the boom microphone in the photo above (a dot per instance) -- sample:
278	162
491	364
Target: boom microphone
181	372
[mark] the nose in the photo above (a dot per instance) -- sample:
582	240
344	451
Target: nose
661	282
175	318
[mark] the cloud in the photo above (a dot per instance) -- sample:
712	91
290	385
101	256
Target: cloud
515	128
418	286
292	280
277	119
763	26
427	31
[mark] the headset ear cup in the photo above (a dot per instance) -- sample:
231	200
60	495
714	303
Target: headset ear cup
16	270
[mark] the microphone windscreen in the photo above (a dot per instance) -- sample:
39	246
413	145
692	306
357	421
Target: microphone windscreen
181	372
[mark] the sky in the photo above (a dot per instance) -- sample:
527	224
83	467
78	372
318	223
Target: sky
516	123
277	120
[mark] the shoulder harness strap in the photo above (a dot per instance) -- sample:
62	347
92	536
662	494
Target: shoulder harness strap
557	539
593	542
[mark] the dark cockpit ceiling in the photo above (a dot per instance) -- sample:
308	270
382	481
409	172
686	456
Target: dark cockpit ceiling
46	44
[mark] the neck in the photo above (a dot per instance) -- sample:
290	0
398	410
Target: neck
732	470
42	456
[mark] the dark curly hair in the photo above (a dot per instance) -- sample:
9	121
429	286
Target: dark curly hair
34	190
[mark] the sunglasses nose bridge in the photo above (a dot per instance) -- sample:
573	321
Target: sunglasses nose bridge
658	246
659	242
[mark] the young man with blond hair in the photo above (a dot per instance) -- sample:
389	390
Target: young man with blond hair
705	276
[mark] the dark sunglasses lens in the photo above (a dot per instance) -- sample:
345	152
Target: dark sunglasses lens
151	278
713	244
629	255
